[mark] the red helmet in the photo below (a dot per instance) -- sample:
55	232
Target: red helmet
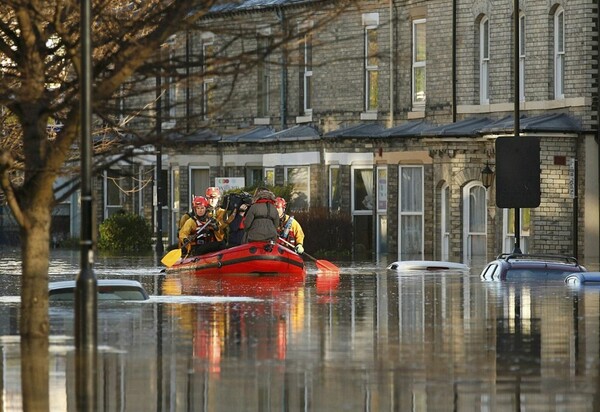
213	191
280	202
200	201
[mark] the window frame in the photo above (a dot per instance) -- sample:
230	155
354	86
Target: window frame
263	75
371	63
306	73
484	60
208	45
418	64
522	55
297	188
559	53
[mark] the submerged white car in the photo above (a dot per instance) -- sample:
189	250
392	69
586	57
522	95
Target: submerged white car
108	289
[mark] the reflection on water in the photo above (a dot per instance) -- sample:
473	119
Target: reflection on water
368	340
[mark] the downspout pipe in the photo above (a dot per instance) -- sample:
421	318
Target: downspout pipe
598	108
391	121
283	89
454	13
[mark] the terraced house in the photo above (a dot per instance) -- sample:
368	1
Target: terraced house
387	110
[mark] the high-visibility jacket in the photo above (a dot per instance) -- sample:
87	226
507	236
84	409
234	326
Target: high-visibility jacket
290	230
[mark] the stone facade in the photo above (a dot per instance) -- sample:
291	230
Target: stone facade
449	160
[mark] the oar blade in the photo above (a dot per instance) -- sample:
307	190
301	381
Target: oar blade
326	266
170	258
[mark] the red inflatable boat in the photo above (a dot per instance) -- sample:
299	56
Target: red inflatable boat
254	257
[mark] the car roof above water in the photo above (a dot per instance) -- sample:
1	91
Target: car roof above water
530	266
108	289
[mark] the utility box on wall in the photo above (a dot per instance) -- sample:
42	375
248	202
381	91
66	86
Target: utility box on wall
518	172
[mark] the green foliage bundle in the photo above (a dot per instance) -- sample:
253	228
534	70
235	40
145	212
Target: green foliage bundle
125	232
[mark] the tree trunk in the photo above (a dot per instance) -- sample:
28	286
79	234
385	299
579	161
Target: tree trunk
34	325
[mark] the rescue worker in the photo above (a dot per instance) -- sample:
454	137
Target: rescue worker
213	195
185	218
198	234
289	229
261	221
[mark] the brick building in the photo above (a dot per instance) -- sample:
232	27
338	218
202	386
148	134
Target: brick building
389	111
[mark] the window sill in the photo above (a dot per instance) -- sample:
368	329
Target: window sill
260	121
527	105
304	119
368	116
415	114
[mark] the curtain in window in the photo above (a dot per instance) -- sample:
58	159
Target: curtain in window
411	190
411	216
477	210
367	178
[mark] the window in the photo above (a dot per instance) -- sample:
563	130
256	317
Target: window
269	178
169	86
371	69
298	177
411	226
162	197
254	175
335	193
509	230
264	51
207	65
475	221
419	62
522	57
559	53
113	195
306	74
446	213
484	60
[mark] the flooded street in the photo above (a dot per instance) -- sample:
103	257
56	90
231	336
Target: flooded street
370	340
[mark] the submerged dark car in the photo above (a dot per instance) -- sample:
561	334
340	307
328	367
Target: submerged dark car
517	266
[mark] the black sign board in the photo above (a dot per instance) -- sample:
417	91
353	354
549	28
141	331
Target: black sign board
518	172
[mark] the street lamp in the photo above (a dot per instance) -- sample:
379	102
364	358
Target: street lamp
487	176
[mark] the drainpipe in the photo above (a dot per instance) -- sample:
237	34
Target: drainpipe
391	121
598	111
454	61
283	88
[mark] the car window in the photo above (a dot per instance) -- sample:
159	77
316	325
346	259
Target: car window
490	272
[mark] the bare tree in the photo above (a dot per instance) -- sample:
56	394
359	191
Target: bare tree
40	67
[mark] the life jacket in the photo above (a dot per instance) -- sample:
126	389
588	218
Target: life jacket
285	230
207	235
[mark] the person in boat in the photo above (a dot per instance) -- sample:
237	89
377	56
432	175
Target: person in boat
262	219
186	216
198	234
238	204
289	229
213	195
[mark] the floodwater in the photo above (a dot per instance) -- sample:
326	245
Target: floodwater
370	340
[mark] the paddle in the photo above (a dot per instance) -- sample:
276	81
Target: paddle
322	264
174	255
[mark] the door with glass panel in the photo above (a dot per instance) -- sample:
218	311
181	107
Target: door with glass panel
199	181
410	213
475	221
362	212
